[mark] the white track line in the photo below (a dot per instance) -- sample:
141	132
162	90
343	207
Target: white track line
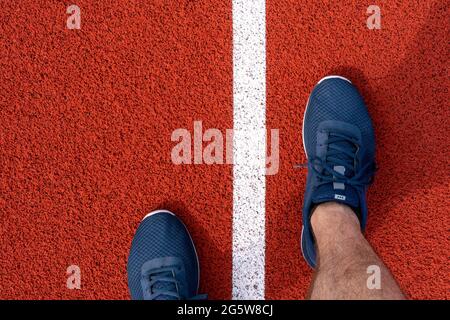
249	148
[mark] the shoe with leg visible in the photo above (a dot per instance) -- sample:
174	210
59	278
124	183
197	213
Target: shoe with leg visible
163	262
339	143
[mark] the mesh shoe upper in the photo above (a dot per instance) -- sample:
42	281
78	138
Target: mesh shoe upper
339	141
162	263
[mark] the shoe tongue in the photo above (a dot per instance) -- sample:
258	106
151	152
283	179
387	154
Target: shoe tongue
166	286
337	192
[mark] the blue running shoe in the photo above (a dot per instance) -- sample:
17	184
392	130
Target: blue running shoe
163	263
339	143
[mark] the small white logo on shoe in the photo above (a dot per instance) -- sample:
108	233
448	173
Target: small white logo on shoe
339	197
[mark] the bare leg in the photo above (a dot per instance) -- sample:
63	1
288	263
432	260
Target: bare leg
344	256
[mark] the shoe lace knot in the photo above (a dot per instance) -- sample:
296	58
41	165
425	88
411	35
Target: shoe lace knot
340	163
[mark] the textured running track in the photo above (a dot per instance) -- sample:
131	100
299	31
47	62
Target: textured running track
86	118
402	71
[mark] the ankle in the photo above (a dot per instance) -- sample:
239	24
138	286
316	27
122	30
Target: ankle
329	217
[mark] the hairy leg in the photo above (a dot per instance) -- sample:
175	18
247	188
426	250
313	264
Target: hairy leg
347	265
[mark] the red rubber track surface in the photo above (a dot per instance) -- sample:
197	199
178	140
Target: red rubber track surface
402	71
86	123
86	118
